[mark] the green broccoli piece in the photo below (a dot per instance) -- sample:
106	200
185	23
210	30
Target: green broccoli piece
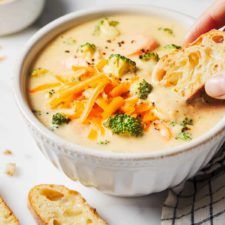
184	136
87	49
172	47
119	65
167	30
149	56
106	28
113	23
125	125
59	119
144	89
105	142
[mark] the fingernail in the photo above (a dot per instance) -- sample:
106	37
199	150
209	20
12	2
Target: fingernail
215	87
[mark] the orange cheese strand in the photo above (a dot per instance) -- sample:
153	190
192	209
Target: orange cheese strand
113	106
129	106
101	102
120	89
91	101
61	79
143	107
87	68
98	124
77	88
79	107
93	134
101	64
43	87
149	117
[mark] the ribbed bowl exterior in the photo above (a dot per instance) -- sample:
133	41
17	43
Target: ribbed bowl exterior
127	177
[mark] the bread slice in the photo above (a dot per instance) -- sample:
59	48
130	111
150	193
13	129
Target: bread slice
186	70
6	215
58	205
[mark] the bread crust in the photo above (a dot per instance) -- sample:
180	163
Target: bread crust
10	212
37	215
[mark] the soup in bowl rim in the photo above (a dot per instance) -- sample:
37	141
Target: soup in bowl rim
124	173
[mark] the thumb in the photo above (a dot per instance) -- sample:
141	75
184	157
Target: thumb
215	87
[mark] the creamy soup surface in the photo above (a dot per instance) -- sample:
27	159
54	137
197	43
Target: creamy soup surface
86	114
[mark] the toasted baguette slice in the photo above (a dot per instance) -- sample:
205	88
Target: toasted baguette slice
6	215
57	205
186	70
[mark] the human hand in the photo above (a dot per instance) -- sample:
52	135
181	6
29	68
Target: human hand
213	18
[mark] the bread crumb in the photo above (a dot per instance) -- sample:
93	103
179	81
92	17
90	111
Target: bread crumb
7	152
10	169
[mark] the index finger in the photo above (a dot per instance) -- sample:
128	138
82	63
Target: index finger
213	18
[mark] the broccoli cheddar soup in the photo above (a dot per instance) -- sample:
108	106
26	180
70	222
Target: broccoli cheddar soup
92	85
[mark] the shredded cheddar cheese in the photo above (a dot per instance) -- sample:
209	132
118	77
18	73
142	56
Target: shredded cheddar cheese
93	97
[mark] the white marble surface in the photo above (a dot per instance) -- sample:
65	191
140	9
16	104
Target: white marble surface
33	168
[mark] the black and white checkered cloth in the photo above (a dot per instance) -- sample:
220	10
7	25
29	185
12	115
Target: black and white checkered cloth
200	200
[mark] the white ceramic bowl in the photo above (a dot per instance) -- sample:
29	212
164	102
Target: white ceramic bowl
122	174
15	15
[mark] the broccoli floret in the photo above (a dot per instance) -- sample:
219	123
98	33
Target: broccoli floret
119	65
125	125
59	119
171	47
144	89
106	28
87	49
149	56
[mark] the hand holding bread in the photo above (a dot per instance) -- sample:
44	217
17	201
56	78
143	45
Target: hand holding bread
187	70
213	18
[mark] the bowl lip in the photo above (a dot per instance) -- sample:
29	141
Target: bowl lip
87	151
